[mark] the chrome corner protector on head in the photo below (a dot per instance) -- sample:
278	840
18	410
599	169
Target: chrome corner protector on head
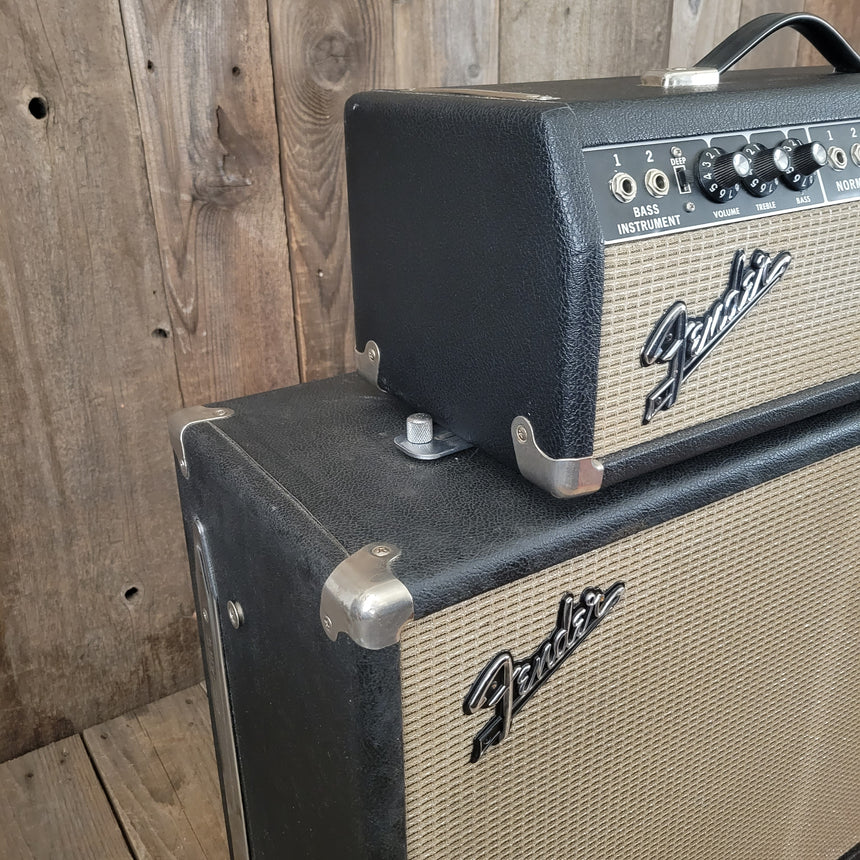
182	418
562	478
695	78
364	599
367	362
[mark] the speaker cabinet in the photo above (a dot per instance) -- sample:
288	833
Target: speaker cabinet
438	660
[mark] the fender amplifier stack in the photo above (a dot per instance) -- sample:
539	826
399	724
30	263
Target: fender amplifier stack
644	289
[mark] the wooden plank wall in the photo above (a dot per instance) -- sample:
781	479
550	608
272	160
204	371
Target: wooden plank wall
173	230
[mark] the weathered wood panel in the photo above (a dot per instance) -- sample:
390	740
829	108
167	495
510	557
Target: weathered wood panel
322	52
698	25
203	81
158	768
778	50
548	40
843	14
96	615
446	43
52	807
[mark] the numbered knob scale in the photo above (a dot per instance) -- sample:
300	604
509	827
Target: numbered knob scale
767	166
719	173
806	159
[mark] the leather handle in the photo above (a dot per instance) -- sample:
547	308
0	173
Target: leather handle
822	36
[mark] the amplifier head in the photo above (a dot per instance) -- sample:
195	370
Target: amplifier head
593	278
439	660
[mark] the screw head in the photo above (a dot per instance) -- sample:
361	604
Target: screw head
676	151
235	613
372	354
522	434
327	622
205	614
381	551
689	206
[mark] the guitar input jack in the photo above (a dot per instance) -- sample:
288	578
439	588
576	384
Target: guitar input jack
836	157
656	183
623	187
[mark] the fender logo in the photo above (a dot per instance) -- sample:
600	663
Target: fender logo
683	342
506	684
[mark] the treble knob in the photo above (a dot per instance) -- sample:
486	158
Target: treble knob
806	159
719	173
767	165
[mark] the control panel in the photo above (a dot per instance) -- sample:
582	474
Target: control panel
664	186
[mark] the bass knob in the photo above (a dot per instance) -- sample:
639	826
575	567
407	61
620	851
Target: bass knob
806	159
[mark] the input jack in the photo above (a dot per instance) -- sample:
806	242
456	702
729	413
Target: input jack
623	187
656	183
855	153
836	158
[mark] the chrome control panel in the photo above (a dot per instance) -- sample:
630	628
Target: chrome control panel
664	186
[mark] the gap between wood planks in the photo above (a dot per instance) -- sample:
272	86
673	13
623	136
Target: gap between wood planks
143	785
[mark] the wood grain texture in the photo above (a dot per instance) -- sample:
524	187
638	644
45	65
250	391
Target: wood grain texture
53	808
158	768
89	506
844	15
203	82
778	50
322	52
548	40
446	43
699	25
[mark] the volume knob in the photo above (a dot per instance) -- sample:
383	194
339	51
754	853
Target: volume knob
719	173
767	166
806	159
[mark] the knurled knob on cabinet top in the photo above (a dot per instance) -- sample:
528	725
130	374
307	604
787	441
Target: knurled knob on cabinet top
419	428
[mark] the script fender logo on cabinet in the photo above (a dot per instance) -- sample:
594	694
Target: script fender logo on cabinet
507	684
683	342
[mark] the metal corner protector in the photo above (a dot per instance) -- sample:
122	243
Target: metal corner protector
364	599
562	478
178	421
367	362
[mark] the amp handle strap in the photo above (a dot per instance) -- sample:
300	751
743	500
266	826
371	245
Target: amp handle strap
823	37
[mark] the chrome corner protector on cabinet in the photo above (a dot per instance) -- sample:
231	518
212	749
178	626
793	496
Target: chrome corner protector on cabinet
364	599
182	418
367	362
562	478
696	78
219	697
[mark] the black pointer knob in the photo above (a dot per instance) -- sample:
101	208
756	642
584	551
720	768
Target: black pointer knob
806	158
767	166
719	173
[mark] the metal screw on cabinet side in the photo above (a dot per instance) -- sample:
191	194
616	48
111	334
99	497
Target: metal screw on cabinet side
419	428
676	151
522	434
327	622
236	614
381	551
372	354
